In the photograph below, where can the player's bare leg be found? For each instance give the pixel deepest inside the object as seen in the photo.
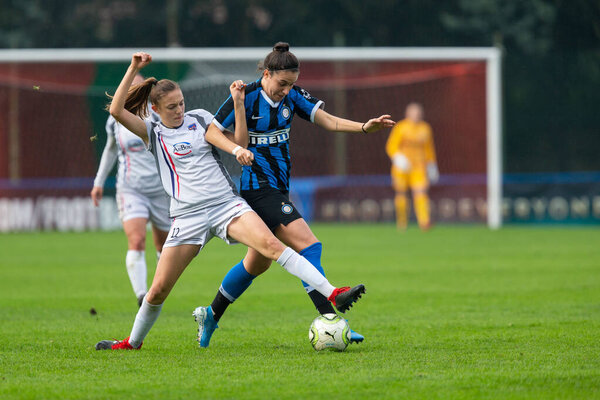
(171, 265)
(239, 278)
(159, 237)
(250, 230)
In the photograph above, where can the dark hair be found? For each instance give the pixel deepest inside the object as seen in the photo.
(137, 96)
(280, 59)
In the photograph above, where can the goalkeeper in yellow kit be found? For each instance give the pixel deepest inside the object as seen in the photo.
(410, 147)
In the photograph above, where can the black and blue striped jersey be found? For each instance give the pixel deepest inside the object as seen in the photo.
(269, 133)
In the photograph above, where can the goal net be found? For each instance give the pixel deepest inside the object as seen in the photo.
(52, 128)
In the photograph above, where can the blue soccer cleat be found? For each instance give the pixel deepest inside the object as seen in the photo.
(206, 324)
(356, 337)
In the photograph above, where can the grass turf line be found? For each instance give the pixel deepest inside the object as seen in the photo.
(458, 312)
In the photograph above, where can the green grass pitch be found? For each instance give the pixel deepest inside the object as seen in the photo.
(455, 313)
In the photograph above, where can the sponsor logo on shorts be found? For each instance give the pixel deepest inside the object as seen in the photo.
(285, 112)
(287, 209)
(182, 148)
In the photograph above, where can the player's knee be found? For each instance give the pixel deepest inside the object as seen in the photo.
(136, 242)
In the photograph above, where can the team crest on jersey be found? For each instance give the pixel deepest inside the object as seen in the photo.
(182, 148)
(287, 209)
(192, 127)
(285, 112)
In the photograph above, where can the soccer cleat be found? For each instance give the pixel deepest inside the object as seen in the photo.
(356, 337)
(206, 324)
(116, 345)
(342, 298)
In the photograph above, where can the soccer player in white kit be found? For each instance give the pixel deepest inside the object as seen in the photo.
(140, 197)
(204, 201)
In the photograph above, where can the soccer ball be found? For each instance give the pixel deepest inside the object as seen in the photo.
(329, 331)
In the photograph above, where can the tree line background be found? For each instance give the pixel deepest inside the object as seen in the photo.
(551, 48)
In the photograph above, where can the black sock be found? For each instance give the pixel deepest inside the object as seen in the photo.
(219, 305)
(321, 303)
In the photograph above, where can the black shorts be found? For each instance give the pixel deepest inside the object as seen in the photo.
(272, 205)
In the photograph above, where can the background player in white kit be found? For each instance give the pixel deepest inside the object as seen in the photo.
(204, 201)
(140, 196)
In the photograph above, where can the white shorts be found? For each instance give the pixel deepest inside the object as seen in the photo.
(200, 226)
(136, 205)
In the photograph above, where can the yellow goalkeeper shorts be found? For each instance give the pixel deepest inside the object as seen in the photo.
(416, 179)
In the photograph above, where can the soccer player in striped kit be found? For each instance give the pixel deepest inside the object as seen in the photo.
(270, 104)
(204, 201)
(140, 197)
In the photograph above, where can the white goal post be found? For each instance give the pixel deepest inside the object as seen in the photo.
(491, 57)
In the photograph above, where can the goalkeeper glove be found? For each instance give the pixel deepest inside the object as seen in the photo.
(432, 172)
(401, 162)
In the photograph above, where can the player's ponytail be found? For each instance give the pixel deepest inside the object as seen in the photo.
(138, 95)
(280, 59)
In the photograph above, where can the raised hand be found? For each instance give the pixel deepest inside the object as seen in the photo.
(376, 124)
(140, 59)
(237, 90)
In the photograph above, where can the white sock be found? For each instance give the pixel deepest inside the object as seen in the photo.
(145, 318)
(299, 266)
(136, 268)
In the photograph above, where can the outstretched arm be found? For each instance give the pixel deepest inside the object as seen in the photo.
(337, 124)
(117, 106)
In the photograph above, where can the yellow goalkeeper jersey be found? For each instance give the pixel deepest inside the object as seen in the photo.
(414, 140)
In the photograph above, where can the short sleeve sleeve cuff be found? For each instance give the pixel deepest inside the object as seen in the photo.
(218, 125)
(320, 104)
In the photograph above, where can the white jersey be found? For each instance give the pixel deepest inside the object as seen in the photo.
(137, 169)
(190, 168)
